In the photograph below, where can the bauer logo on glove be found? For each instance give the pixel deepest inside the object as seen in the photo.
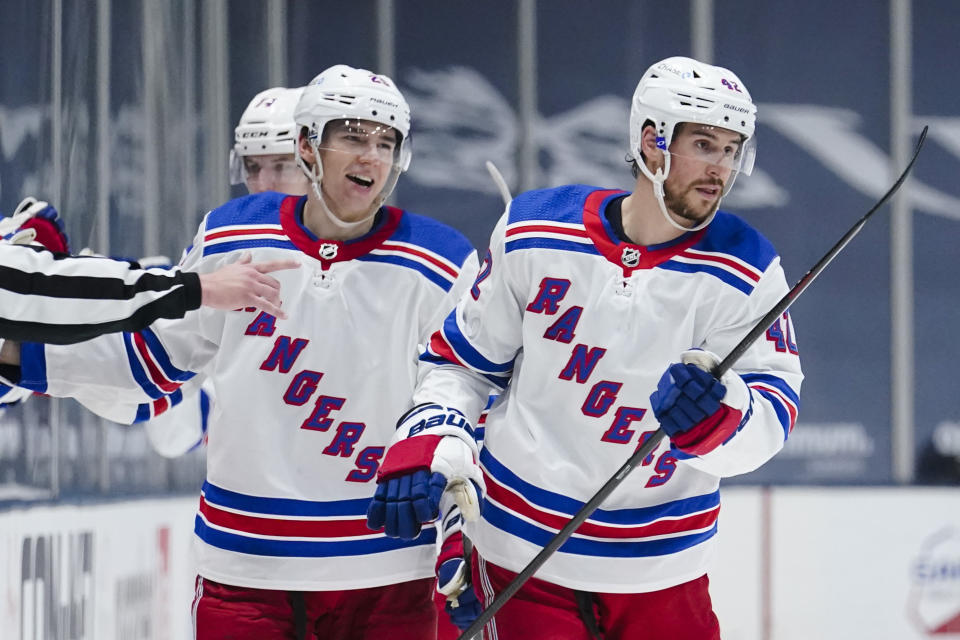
(432, 416)
(433, 452)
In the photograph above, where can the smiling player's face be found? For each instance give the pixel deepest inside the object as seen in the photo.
(357, 157)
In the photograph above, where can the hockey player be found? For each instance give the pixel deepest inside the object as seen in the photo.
(307, 405)
(597, 312)
(262, 157)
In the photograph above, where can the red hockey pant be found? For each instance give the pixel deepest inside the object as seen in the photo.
(404, 611)
(446, 630)
(546, 611)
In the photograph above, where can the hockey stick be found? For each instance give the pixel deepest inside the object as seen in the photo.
(500, 182)
(647, 447)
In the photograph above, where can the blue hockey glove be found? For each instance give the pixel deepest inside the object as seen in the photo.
(698, 412)
(433, 452)
(465, 608)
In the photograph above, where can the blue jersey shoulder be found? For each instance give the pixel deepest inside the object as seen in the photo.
(559, 204)
(257, 208)
(434, 236)
(732, 235)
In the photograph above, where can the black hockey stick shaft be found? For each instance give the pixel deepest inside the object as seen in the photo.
(654, 440)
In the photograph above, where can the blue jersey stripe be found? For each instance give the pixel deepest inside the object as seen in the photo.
(782, 414)
(498, 381)
(162, 359)
(253, 209)
(776, 382)
(463, 348)
(145, 410)
(137, 371)
(633, 549)
(431, 275)
(717, 272)
(550, 243)
(569, 506)
(283, 506)
(731, 235)
(305, 549)
(433, 236)
(559, 204)
(226, 247)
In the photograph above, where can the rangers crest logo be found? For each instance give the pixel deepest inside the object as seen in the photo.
(630, 257)
(328, 251)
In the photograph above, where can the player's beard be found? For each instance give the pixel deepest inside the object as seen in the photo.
(677, 204)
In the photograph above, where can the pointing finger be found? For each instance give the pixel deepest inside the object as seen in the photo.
(276, 265)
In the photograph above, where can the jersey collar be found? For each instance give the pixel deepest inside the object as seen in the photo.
(329, 251)
(626, 255)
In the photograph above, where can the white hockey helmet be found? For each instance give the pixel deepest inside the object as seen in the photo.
(681, 89)
(345, 93)
(265, 128)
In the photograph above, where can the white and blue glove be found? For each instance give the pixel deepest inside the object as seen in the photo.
(433, 452)
(698, 412)
(453, 568)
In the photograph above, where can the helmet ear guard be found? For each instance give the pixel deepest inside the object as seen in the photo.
(681, 89)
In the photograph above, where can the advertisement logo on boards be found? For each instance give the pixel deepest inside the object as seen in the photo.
(934, 600)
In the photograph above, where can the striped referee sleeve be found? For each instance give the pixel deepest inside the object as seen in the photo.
(60, 299)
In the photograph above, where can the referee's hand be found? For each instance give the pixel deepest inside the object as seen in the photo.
(245, 284)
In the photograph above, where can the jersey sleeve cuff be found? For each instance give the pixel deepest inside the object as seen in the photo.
(194, 293)
(33, 367)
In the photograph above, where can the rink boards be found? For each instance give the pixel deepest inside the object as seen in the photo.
(793, 564)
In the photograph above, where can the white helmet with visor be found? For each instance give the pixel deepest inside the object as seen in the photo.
(266, 128)
(343, 94)
(677, 90)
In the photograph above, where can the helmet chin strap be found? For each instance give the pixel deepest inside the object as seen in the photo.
(658, 181)
(318, 189)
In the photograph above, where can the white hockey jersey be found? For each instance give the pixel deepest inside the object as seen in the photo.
(577, 327)
(305, 406)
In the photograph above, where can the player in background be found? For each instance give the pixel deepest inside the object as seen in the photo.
(305, 405)
(263, 155)
(597, 312)
(262, 158)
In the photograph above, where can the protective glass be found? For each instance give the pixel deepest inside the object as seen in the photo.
(365, 139)
(272, 173)
(715, 146)
(367, 153)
